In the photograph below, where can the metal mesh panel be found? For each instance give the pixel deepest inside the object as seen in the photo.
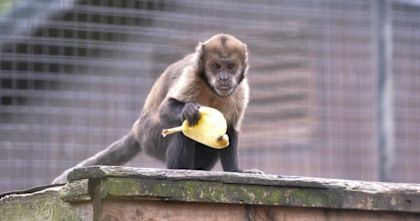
(406, 70)
(74, 76)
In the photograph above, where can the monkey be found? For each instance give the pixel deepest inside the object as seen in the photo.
(215, 75)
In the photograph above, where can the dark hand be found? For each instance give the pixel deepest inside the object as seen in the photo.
(190, 113)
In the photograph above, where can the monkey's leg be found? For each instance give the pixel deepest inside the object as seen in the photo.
(205, 157)
(118, 153)
(180, 152)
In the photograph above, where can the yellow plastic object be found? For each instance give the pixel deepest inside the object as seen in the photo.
(210, 129)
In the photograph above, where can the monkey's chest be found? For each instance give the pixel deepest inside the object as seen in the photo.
(228, 107)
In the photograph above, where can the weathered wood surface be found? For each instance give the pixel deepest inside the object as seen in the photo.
(243, 188)
(123, 193)
(157, 210)
(42, 205)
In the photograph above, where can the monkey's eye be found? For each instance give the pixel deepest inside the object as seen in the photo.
(231, 66)
(216, 66)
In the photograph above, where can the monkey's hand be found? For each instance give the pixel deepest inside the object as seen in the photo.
(190, 113)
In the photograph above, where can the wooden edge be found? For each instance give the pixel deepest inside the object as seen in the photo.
(31, 190)
(42, 204)
(214, 176)
(253, 189)
(76, 191)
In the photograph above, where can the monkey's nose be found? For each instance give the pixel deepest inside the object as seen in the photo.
(223, 77)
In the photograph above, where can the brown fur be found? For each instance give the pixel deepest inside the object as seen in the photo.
(181, 81)
(185, 85)
(187, 80)
(226, 46)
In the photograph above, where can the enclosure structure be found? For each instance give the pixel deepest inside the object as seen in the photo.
(74, 75)
(123, 193)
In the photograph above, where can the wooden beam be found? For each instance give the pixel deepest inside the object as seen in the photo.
(124, 193)
(385, 110)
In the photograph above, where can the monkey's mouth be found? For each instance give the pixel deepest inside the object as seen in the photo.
(224, 87)
(224, 90)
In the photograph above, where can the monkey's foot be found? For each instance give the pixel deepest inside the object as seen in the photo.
(254, 171)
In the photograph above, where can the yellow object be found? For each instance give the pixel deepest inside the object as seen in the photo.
(210, 129)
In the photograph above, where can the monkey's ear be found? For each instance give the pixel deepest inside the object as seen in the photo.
(246, 65)
(198, 55)
(199, 50)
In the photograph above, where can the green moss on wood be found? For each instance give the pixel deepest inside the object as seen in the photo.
(43, 205)
(82, 197)
(219, 187)
(200, 191)
(76, 191)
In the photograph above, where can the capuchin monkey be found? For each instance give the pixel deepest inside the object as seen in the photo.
(215, 75)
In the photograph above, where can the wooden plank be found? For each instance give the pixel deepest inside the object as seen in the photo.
(256, 189)
(385, 104)
(155, 210)
(76, 191)
(43, 205)
(217, 192)
(123, 193)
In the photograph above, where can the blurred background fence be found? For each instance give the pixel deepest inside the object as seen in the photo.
(74, 76)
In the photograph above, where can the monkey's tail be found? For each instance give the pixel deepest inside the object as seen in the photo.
(118, 153)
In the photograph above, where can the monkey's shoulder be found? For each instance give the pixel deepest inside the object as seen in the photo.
(174, 70)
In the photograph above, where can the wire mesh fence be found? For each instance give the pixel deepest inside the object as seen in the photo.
(74, 76)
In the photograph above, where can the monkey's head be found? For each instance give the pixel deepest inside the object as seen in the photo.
(223, 61)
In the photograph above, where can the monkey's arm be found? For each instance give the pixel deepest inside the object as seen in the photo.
(181, 150)
(229, 155)
(118, 153)
(173, 112)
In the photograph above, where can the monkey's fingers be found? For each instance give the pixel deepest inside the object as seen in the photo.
(191, 113)
(253, 171)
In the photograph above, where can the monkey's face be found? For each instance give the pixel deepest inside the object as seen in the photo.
(223, 75)
(224, 60)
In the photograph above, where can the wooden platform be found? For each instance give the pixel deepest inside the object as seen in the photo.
(123, 193)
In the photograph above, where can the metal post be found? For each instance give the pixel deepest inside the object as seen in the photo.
(385, 115)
